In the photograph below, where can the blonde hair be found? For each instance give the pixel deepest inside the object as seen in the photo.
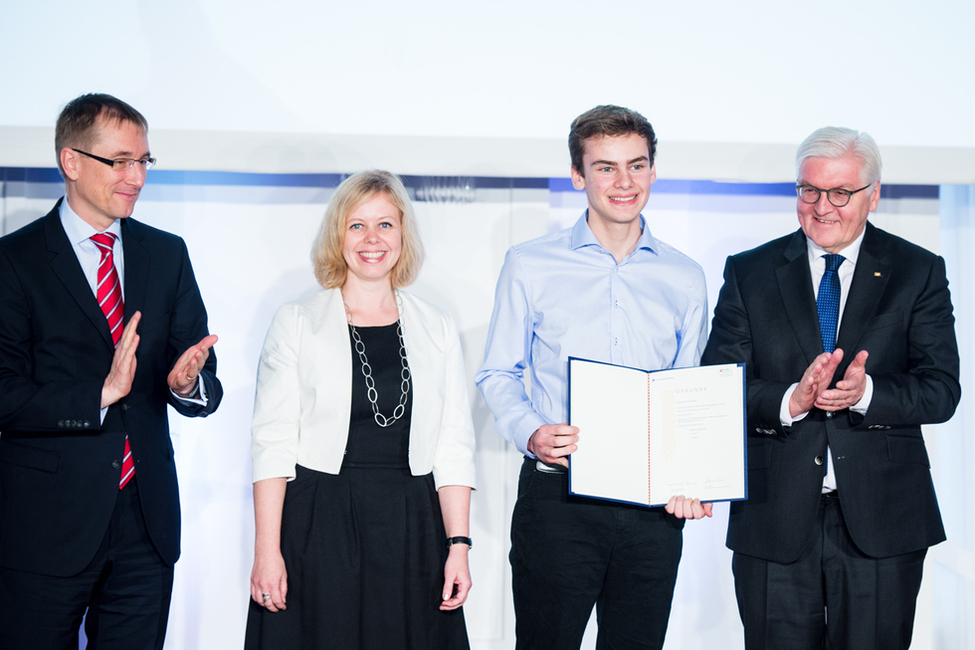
(326, 251)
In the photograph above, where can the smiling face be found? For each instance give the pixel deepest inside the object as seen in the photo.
(829, 227)
(96, 192)
(616, 176)
(373, 240)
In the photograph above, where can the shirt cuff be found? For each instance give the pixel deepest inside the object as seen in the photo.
(785, 416)
(197, 397)
(864, 403)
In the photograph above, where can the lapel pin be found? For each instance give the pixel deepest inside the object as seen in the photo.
(876, 274)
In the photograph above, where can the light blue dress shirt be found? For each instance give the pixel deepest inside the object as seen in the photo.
(565, 295)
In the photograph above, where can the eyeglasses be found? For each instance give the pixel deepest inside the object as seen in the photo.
(120, 164)
(837, 196)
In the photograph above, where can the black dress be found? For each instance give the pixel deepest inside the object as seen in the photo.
(364, 550)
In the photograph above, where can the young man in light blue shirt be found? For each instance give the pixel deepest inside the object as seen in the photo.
(606, 290)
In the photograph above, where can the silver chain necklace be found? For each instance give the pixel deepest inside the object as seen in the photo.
(371, 393)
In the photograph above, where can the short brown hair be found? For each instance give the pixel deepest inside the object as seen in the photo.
(76, 123)
(326, 251)
(607, 120)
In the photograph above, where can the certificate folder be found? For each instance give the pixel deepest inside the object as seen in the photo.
(645, 436)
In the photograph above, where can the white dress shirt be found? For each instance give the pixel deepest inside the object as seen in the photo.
(817, 267)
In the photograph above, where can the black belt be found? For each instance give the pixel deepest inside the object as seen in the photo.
(550, 469)
(835, 494)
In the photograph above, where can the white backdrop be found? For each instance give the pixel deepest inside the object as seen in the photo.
(244, 225)
(474, 89)
(755, 71)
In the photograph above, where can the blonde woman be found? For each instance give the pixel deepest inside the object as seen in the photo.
(363, 447)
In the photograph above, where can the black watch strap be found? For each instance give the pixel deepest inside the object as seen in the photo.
(459, 540)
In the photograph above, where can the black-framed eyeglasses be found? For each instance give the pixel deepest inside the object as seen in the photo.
(120, 164)
(837, 195)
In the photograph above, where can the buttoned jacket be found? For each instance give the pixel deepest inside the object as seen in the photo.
(899, 310)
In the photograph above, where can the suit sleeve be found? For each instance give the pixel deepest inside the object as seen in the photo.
(26, 404)
(927, 389)
(732, 341)
(187, 328)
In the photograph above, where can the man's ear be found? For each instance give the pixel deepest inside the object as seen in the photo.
(578, 181)
(875, 197)
(69, 163)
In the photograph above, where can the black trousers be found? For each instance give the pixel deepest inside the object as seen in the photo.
(570, 553)
(123, 594)
(833, 597)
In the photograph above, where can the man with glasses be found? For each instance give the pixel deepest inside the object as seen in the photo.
(848, 336)
(101, 326)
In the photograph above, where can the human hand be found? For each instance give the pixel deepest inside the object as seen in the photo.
(815, 379)
(183, 377)
(849, 390)
(119, 381)
(552, 443)
(686, 508)
(457, 578)
(269, 577)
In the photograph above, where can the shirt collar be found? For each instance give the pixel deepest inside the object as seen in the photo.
(850, 253)
(78, 230)
(583, 236)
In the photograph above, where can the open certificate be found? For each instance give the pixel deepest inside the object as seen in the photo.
(647, 436)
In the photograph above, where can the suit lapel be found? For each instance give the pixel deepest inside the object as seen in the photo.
(64, 263)
(869, 282)
(136, 268)
(795, 287)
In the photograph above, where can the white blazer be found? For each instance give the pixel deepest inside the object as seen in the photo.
(304, 395)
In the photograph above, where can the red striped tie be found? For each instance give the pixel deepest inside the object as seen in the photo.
(109, 294)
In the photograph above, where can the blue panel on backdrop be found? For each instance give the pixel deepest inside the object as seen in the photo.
(239, 179)
(30, 174)
(481, 182)
(174, 177)
(671, 186)
(909, 191)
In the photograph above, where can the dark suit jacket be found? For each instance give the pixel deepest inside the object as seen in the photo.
(59, 466)
(899, 310)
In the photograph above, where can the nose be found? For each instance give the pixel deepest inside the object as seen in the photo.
(823, 205)
(623, 179)
(136, 175)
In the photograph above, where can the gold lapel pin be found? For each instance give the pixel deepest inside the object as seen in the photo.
(876, 274)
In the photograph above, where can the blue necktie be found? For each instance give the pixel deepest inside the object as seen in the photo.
(828, 306)
(828, 301)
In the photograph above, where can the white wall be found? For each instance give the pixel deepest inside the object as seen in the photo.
(449, 88)
(760, 71)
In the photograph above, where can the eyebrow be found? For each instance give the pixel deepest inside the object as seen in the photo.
(610, 163)
(129, 155)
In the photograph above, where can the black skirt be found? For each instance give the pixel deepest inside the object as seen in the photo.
(364, 552)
